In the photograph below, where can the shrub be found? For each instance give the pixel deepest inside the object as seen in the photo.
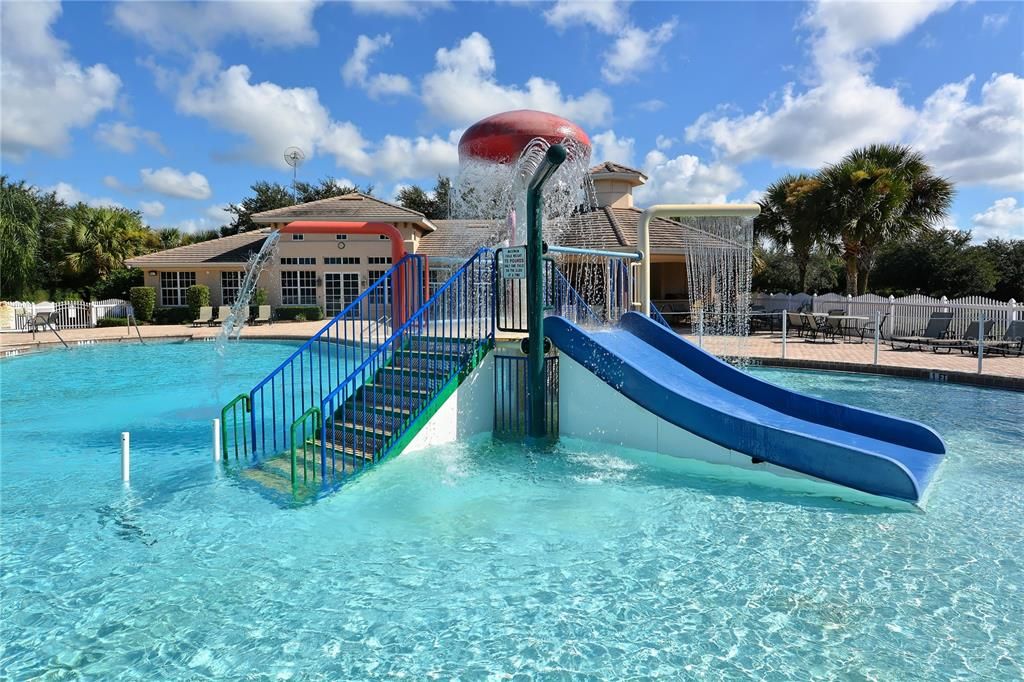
(259, 297)
(197, 296)
(293, 312)
(172, 315)
(143, 300)
(112, 322)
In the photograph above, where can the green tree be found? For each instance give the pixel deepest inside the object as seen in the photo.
(19, 238)
(95, 242)
(1007, 255)
(937, 263)
(433, 205)
(789, 219)
(267, 196)
(878, 194)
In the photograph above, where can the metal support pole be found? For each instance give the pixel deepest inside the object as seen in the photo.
(878, 332)
(216, 440)
(785, 329)
(535, 376)
(125, 456)
(981, 341)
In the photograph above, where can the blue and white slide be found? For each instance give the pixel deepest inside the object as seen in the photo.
(686, 402)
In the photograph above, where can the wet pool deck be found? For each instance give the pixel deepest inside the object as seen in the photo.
(1003, 372)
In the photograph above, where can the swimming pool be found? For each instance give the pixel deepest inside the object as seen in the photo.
(480, 559)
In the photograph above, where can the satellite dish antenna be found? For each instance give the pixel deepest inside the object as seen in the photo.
(294, 157)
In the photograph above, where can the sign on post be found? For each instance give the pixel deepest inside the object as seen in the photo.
(513, 263)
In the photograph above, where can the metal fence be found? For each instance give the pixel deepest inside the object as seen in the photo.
(17, 315)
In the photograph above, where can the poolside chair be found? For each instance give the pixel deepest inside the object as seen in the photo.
(826, 327)
(262, 315)
(938, 327)
(222, 315)
(968, 341)
(204, 317)
(795, 322)
(869, 328)
(1012, 343)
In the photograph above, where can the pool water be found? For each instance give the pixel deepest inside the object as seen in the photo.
(480, 560)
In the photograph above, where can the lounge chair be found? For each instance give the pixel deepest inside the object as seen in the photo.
(938, 327)
(262, 315)
(827, 327)
(1012, 343)
(204, 317)
(869, 328)
(968, 341)
(222, 315)
(795, 322)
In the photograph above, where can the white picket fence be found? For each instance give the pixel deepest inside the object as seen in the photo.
(902, 315)
(16, 315)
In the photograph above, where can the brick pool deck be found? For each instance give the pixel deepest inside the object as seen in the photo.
(998, 372)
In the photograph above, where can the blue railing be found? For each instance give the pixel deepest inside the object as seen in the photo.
(373, 409)
(567, 302)
(658, 317)
(326, 359)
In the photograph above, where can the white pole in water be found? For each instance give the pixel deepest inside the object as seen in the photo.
(125, 456)
(785, 330)
(981, 340)
(700, 327)
(216, 440)
(878, 323)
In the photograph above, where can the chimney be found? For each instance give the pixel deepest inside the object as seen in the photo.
(614, 183)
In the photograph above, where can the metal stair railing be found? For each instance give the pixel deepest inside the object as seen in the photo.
(375, 408)
(322, 362)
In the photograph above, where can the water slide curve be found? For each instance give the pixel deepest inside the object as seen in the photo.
(690, 388)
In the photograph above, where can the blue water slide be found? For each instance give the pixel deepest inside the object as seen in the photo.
(692, 389)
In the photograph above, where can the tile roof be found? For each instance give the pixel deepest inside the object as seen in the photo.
(458, 237)
(615, 228)
(233, 249)
(352, 206)
(612, 167)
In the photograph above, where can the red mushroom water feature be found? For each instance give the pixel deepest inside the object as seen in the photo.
(501, 138)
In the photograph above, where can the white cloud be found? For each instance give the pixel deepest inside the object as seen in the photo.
(356, 70)
(635, 50)
(995, 22)
(152, 210)
(845, 108)
(72, 195)
(401, 157)
(610, 147)
(172, 182)
(124, 137)
(685, 179)
(607, 17)
(462, 89)
(650, 105)
(269, 116)
(1004, 219)
(664, 143)
(45, 92)
(115, 183)
(186, 25)
(979, 143)
(415, 9)
(213, 217)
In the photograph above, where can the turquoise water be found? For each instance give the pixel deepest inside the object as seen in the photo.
(484, 561)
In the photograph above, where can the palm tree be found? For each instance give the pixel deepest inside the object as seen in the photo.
(96, 241)
(789, 217)
(19, 238)
(877, 194)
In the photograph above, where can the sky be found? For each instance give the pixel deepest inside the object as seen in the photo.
(175, 108)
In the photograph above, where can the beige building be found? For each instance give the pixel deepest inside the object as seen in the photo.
(331, 270)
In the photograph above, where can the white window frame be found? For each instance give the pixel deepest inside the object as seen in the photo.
(233, 288)
(304, 286)
(182, 281)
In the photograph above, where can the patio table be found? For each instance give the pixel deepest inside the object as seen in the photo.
(846, 322)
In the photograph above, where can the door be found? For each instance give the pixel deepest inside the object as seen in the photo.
(340, 289)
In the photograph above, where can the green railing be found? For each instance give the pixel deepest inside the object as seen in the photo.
(309, 451)
(233, 407)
